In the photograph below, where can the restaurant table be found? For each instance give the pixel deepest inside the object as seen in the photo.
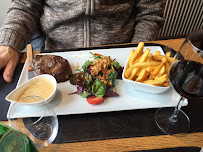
(192, 141)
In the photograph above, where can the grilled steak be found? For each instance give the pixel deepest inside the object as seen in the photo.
(53, 65)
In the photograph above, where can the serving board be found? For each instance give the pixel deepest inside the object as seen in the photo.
(129, 98)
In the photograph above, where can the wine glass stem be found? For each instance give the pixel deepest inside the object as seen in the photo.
(174, 117)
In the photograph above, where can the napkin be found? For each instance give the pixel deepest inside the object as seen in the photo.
(5, 89)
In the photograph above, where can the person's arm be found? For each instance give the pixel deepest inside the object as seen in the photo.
(149, 20)
(22, 19)
(17, 30)
(8, 59)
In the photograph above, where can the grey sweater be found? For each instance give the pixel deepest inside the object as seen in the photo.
(82, 23)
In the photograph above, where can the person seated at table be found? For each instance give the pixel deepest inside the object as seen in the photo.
(72, 24)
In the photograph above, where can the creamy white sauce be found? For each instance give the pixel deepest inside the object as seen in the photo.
(41, 87)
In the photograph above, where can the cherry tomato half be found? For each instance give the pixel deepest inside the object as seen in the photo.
(94, 100)
(97, 54)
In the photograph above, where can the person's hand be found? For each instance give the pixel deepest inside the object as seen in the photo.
(8, 59)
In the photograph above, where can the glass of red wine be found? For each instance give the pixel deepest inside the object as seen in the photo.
(186, 77)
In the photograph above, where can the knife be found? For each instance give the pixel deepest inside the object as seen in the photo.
(30, 57)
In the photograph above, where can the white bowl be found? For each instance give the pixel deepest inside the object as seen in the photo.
(142, 86)
(13, 96)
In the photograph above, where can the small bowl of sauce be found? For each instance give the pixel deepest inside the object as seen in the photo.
(43, 86)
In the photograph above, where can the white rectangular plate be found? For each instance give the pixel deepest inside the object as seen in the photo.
(129, 99)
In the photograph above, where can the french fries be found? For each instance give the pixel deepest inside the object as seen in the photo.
(148, 68)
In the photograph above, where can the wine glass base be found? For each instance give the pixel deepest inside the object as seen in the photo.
(182, 125)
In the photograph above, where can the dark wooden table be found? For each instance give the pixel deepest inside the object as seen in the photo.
(134, 143)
